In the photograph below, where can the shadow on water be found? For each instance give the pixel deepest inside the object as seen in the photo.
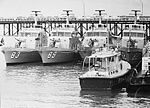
(114, 99)
(139, 94)
(97, 94)
(99, 98)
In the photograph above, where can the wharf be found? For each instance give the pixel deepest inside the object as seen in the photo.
(11, 26)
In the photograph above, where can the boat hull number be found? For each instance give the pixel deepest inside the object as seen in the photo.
(51, 55)
(15, 55)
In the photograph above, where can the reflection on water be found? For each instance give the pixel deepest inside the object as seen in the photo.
(107, 99)
(55, 86)
(98, 99)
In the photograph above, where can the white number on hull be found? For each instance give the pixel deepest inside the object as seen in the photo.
(15, 55)
(51, 55)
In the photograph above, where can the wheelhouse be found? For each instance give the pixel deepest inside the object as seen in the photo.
(136, 32)
(101, 30)
(31, 32)
(96, 35)
(104, 63)
(65, 31)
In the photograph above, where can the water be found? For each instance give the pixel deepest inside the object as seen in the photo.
(57, 86)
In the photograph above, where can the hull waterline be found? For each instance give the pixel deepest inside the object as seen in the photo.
(57, 56)
(101, 83)
(21, 56)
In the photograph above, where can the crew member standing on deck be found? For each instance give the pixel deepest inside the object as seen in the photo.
(75, 42)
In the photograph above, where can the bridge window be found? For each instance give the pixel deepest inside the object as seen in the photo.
(27, 34)
(34, 34)
(140, 35)
(103, 33)
(22, 34)
(133, 34)
(126, 34)
(96, 33)
(90, 34)
(54, 33)
(67, 34)
(60, 33)
(137, 27)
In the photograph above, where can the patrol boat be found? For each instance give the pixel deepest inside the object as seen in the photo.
(62, 44)
(26, 45)
(106, 71)
(132, 54)
(136, 31)
(26, 49)
(133, 41)
(94, 38)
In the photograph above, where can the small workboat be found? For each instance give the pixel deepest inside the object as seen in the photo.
(106, 71)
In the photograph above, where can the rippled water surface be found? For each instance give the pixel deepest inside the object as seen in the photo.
(57, 86)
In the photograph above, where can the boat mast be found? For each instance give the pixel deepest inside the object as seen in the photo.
(100, 23)
(100, 16)
(35, 24)
(67, 19)
(35, 18)
(135, 15)
(135, 21)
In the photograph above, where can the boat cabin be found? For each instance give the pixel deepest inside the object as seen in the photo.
(65, 30)
(134, 27)
(136, 32)
(30, 32)
(96, 32)
(31, 38)
(104, 63)
(97, 35)
(61, 37)
(101, 30)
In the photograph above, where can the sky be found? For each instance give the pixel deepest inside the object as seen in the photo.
(16, 8)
